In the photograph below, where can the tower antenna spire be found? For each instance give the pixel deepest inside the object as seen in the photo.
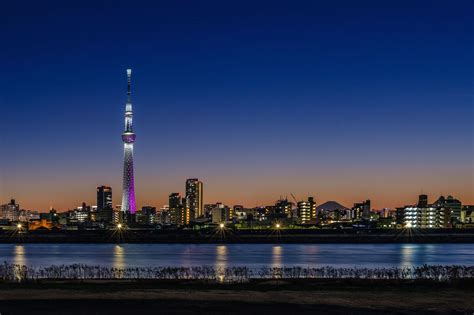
(129, 84)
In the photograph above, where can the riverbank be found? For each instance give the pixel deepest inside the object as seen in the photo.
(302, 296)
(303, 236)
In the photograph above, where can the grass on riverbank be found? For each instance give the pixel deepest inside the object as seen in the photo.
(22, 273)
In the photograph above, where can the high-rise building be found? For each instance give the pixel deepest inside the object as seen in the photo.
(176, 209)
(104, 198)
(307, 211)
(194, 203)
(128, 138)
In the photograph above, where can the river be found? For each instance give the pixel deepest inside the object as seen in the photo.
(250, 255)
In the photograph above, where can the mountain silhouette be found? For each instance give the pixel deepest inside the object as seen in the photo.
(331, 206)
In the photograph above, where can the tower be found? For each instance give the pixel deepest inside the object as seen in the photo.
(128, 138)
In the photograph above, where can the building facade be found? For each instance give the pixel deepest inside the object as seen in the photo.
(307, 212)
(424, 215)
(220, 213)
(451, 205)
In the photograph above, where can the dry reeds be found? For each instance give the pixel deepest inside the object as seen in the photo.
(22, 273)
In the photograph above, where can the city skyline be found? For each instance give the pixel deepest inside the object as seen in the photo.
(259, 109)
(104, 194)
(293, 156)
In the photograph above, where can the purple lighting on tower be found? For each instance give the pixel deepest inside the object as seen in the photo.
(128, 138)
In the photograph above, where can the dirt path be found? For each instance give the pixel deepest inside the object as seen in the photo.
(122, 300)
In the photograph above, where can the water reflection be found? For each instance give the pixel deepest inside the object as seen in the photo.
(221, 261)
(277, 256)
(407, 255)
(187, 256)
(221, 256)
(311, 253)
(119, 257)
(19, 255)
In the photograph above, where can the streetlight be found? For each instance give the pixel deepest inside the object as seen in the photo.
(277, 225)
(221, 225)
(18, 226)
(408, 225)
(119, 226)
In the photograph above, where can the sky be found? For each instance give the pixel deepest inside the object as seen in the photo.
(340, 100)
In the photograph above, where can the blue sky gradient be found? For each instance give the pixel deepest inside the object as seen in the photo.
(343, 100)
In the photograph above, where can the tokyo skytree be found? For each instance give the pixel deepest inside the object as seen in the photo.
(128, 138)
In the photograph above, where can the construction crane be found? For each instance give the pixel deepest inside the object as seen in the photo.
(294, 198)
